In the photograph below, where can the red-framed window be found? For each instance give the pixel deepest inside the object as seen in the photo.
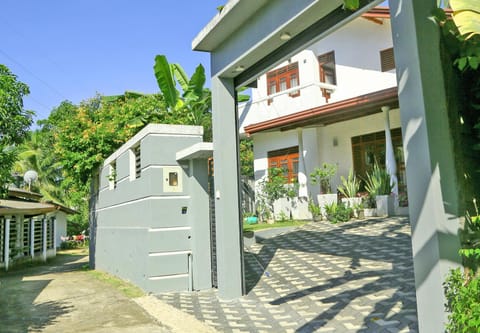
(286, 159)
(282, 79)
(326, 64)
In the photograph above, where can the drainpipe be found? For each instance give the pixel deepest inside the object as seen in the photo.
(390, 163)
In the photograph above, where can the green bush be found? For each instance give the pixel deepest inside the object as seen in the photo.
(463, 302)
(338, 212)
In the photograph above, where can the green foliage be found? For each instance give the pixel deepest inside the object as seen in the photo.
(466, 15)
(314, 209)
(350, 186)
(246, 157)
(36, 153)
(463, 302)
(75, 139)
(378, 181)
(272, 188)
(338, 212)
(14, 123)
(351, 4)
(193, 105)
(323, 176)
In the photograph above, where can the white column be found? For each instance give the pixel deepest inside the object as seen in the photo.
(6, 249)
(32, 238)
(54, 233)
(390, 163)
(44, 239)
(302, 177)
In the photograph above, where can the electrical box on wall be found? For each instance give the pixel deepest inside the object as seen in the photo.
(172, 179)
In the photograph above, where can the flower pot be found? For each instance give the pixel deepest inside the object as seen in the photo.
(369, 212)
(251, 220)
(325, 199)
(385, 205)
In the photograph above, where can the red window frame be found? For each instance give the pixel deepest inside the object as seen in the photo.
(287, 75)
(326, 65)
(286, 159)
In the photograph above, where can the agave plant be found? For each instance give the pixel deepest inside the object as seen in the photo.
(378, 181)
(350, 186)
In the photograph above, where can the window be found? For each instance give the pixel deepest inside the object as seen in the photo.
(370, 147)
(287, 159)
(282, 79)
(112, 176)
(326, 63)
(138, 161)
(387, 60)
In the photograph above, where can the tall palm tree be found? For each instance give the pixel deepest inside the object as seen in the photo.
(34, 154)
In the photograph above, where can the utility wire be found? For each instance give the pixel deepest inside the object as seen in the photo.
(33, 75)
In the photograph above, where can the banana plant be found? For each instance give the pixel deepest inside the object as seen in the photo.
(466, 15)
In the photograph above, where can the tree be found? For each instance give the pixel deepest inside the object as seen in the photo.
(193, 105)
(36, 153)
(14, 122)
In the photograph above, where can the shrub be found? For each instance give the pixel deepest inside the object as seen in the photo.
(463, 302)
(338, 212)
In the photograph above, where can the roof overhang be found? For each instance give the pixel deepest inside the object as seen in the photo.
(245, 42)
(327, 114)
(13, 207)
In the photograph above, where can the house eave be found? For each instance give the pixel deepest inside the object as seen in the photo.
(233, 15)
(328, 114)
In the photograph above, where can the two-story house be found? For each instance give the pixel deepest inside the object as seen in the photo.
(331, 103)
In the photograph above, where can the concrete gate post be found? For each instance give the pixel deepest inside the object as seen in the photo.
(227, 180)
(431, 176)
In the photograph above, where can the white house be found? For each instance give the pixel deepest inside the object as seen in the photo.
(324, 104)
(30, 229)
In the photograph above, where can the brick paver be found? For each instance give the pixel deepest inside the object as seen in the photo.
(351, 277)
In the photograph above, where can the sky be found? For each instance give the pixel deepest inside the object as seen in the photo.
(71, 50)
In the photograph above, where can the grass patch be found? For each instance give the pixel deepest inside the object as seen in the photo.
(125, 287)
(277, 224)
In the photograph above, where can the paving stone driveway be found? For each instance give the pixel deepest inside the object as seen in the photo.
(351, 277)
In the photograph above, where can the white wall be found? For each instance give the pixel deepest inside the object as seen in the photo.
(358, 69)
(319, 144)
(61, 227)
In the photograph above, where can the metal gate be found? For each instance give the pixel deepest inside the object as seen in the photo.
(213, 238)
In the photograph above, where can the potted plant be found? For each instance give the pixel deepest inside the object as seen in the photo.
(369, 206)
(379, 187)
(349, 189)
(315, 210)
(275, 194)
(323, 176)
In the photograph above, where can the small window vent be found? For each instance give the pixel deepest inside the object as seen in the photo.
(387, 60)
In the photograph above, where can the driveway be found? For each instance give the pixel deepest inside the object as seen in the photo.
(350, 277)
(62, 297)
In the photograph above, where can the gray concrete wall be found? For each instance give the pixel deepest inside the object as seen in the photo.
(149, 232)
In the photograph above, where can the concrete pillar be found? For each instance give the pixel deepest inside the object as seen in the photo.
(429, 155)
(227, 190)
(44, 238)
(302, 173)
(6, 249)
(32, 238)
(390, 163)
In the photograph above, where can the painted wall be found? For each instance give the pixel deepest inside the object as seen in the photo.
(150, 231)
(358, 71)
(318, 144)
